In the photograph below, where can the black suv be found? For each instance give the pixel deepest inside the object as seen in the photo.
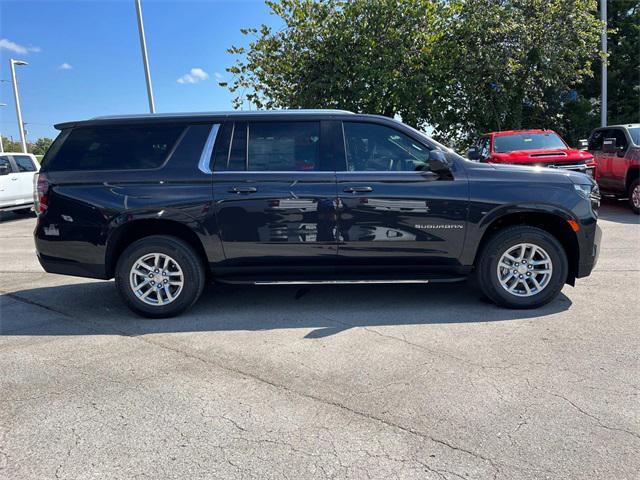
(164, 203)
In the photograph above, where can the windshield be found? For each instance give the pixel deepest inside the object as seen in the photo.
(527, 141)
(635, 135)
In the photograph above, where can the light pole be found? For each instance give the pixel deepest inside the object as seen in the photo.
(145, 58)
(16, 96)
(2, 146)
(605, 60)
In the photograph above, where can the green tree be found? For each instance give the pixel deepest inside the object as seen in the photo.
(461, 66)
(39, 147)
(364, 55)
(624, 61)
(512, 64)
(10, 146)
(583, 114)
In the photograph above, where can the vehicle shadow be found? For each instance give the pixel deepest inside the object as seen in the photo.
(12, 216)
(96, 309)
(614, 210)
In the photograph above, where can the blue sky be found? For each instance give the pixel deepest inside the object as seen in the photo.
(84, 57)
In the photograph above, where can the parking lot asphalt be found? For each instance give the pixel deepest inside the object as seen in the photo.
(381, 381)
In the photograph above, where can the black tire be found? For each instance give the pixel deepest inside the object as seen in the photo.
(501, 242)
(184, 256)
(634, 204)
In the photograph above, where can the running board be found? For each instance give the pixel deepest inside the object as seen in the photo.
(336, 282)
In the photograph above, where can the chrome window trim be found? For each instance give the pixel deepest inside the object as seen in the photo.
(311, 172)
(344, 144)
(204, 165)
(385, 172)
(271, 172)
(246, 153)
(233, 133)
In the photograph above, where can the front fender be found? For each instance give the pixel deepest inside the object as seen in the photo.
(481, 219)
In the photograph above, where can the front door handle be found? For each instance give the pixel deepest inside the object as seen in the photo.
(358, 189)
(243, 190)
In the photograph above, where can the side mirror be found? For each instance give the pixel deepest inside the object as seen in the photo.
(473, 153)
(583, 144)
(438, 163)
(4, 169)
(609, 145)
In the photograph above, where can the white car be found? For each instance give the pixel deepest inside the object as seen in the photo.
(16, 181)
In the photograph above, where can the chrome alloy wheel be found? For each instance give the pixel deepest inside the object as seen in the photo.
(525, 270)
(635, 196)
(156, 279)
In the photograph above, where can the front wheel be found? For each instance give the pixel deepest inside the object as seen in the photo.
(522, 267)
(634, 196)
(159, 276)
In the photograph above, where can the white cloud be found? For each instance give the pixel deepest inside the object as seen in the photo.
(65, 66)
(218, 76)
(16, 48)
(195, 75)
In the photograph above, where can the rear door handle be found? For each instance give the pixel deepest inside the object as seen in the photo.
(358, 189)
(243, 190)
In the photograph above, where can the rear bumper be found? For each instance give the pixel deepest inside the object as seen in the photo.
(68, 250)
(589, 251)
(68, 267)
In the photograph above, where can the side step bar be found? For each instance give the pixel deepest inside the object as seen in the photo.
(335, 282)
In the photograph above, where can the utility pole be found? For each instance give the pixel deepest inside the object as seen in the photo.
(145, 58)
(605, 60)
(2, 146)
(16, 96)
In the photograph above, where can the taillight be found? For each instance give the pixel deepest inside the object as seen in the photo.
(40, 192)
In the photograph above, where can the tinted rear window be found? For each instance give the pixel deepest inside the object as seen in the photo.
(284, 146)
(272, 147)
(24, 163)
(116, 147)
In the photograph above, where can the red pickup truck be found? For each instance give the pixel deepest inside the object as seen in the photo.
(543, 148)
(617, 153)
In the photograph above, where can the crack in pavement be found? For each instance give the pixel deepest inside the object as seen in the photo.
(584, 412)
(494, 464)
(286, 388)
(598, 421)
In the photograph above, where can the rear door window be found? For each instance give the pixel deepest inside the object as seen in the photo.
(268, 147)
(116, 147)
(283, 146)
(24, 163)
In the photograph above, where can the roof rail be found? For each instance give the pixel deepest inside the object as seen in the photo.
(226, 113)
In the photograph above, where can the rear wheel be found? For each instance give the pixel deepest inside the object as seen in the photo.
(159, 276)
(634, 196)
(522, 267)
